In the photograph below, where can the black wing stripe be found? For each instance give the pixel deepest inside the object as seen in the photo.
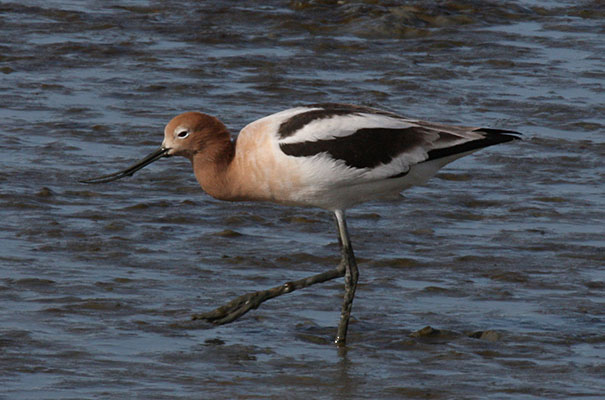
(321, 111)
(366, 148)
(354, 109)
(297, 122)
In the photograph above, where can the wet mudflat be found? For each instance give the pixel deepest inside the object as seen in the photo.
(502, 255)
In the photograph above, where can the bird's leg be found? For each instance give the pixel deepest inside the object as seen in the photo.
(242, 304)
(348, 266)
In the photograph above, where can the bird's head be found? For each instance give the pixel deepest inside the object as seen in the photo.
(192, 132)
(185, 135)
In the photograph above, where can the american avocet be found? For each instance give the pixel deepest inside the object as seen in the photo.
(331, 156)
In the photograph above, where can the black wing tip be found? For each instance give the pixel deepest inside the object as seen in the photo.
(505, 134)
(491, 137)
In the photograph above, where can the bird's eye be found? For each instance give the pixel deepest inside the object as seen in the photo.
(182, 134)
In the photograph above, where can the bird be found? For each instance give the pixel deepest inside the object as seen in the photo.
(327, 155)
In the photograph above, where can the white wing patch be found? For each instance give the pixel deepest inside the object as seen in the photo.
(343, 125)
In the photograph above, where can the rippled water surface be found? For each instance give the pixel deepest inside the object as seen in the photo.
(502, 254)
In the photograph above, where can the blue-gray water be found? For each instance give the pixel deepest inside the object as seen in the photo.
(97, 283)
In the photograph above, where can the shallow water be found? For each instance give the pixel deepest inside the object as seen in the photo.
(502, 254)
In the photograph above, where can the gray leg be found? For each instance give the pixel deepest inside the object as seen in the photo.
(351, 273)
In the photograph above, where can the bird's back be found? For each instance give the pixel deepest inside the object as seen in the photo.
(334, 156)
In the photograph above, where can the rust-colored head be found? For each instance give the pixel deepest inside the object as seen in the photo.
(192, 132)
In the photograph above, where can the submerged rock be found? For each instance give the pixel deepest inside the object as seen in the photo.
(427, 331)
(489, 335)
